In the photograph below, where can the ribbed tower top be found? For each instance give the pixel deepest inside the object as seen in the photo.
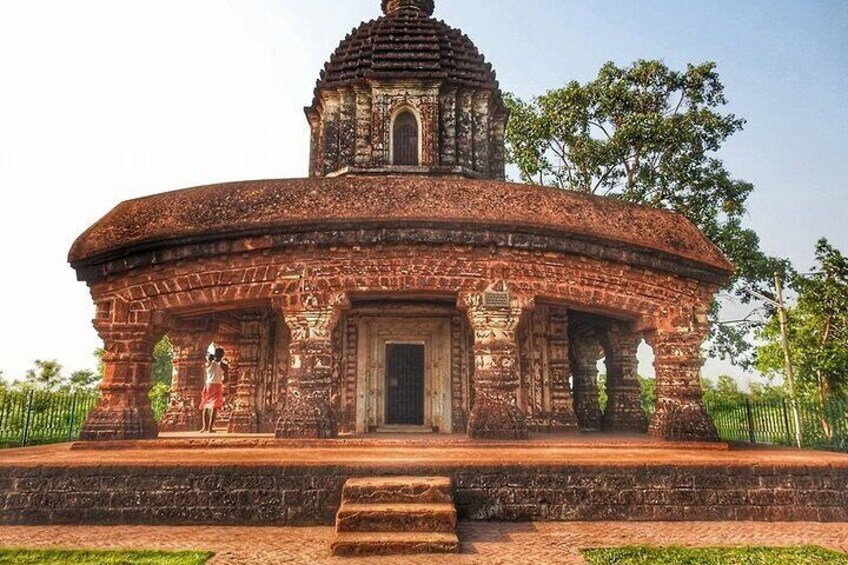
(392, 6)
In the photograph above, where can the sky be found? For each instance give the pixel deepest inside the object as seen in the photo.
(106, 100)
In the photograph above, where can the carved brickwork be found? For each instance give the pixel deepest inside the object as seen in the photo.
(495, 412)
(680, 413)
(308, 411)
(244, 417)
(407, 60)
(545, 370)
(123, 411)
(276, 263)
(624, 406)
(585, 350)
(190, 350)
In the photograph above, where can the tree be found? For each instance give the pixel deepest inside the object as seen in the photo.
(724, 390)
(647, 393)
(83, 380)
(767, 392)
(649, 135)
(818, 329)
(46, 375)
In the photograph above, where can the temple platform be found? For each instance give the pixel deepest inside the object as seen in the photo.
(187, 479)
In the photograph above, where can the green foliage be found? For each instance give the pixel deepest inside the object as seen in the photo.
(85, 379)
(714, 556)
(724, 389)
(767, 392)
(49, 376)
(57, 557)
(649, 135)
(647, 393)
(46, 375)
(602, 391)
(818, 329)
(163, 362)
(159, 395)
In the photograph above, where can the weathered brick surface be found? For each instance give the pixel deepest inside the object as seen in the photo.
(392, 212)
(311, 495)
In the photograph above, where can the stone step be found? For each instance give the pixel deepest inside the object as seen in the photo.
(393, 543)
(430, 517)
(398, 490)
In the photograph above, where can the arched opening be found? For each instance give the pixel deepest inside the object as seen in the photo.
(405, 139)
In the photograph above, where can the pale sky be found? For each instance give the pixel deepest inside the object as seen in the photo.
(105, 100)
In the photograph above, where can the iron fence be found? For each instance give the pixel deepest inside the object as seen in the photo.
(823, 425)
(40, 417)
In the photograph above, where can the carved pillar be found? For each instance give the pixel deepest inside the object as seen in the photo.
(364, 116)
(465, 129)
(624, 401)
(584, 353)
(559, 365)
(481, 131)
(123, 411)
(315, 143)
(497, 145)
(243, 419)
(308, 411)
(190, 350)
(330, 124)
(447, 126)
(680, 413)
(347, 127)
(494, 319)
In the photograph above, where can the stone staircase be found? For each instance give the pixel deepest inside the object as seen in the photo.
(396, 515)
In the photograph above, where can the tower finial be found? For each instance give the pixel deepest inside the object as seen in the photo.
(392, 6)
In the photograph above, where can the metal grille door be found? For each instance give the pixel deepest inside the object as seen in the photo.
(406, 140)
(405, 384)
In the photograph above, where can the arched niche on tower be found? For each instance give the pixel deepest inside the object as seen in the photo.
(405, 145)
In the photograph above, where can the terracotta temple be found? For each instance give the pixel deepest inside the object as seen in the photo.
(403, 286)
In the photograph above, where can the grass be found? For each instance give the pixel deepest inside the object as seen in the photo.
(714, 556)
(57, 557)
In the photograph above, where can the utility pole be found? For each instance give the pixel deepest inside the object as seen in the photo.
(787, 355)
(787, 352)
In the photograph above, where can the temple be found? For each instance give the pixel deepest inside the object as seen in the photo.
(404, 285)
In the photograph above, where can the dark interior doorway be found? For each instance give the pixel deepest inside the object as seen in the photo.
(405, 384)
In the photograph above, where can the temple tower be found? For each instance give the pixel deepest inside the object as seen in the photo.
(407, 94)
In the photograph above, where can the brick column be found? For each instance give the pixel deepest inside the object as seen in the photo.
(624, 402)
(680, 413)
(585, 352)
(183, 413)
(243, 419)
(494, 320)
(123, 411)
(308, 411)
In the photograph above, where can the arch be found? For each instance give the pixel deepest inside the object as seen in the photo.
(406, 138)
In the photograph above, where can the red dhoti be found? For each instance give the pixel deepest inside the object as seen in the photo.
(212, 397)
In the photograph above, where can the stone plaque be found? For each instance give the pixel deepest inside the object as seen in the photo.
(496, 299)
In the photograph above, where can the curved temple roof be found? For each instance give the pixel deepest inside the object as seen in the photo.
(407, 43)
(226, 211)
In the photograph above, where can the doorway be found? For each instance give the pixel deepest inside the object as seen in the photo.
(404, 384)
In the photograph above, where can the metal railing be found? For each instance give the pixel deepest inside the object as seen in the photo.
(40, 417)
(823, 426)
